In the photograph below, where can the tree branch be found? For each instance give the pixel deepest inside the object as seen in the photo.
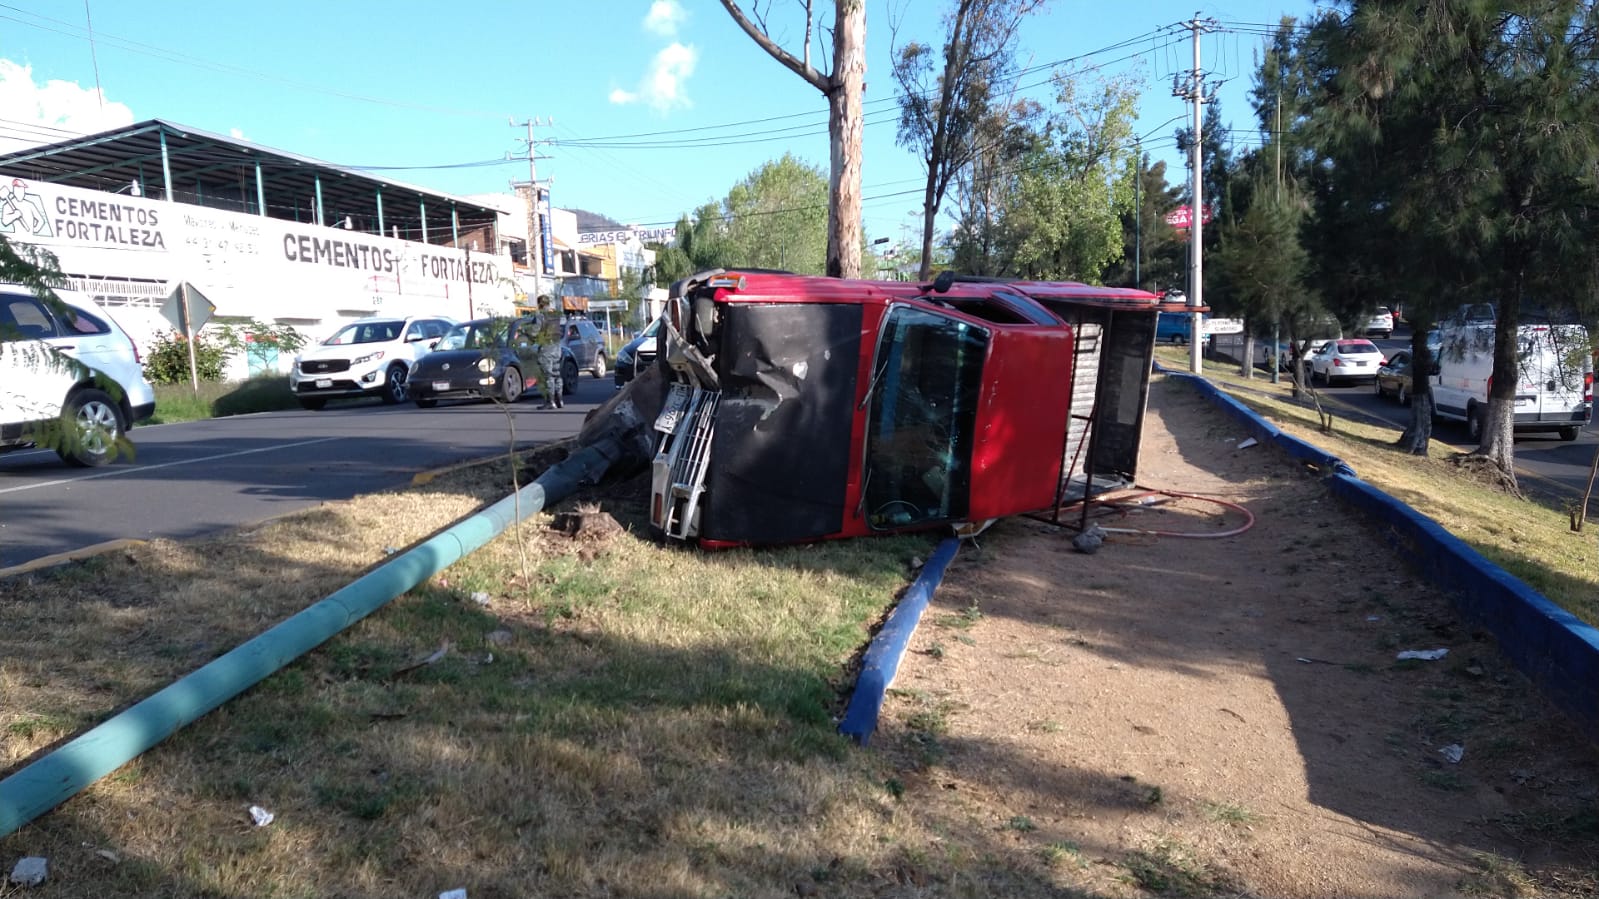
(799, 67)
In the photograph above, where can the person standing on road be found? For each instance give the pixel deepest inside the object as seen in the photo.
(549, 352)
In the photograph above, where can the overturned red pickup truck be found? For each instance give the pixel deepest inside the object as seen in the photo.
(805, 408)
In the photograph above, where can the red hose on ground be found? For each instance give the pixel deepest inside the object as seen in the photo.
(1249, 517)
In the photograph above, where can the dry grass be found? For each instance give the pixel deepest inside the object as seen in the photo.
(1531, 540)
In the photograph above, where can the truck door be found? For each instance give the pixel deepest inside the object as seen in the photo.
(927, 380)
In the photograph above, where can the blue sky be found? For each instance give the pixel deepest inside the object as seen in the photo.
(430, 91)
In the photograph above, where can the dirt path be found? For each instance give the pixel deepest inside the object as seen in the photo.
(1219, 717)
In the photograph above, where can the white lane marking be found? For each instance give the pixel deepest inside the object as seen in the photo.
(141, 468)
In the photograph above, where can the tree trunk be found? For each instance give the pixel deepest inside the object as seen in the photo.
(845, 121)
(929, 213)
(1246, 367)
(1418, 434)
(1497, 440)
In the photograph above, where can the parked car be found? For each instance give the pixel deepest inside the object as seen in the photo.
(587, 345)
(637, 354)
(367, 357)
(1381, 324)
(1345, 360)
(1394, 377)
(486, 358)
(80, 369)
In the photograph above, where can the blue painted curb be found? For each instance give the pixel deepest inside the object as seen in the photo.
(1557, 651)
(881, 661)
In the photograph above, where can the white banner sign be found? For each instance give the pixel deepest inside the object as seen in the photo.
(249, 265)
(628, 235)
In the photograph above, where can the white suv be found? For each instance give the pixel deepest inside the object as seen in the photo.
(78, 369)
(367, 357)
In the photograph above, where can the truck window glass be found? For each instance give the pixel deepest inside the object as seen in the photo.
(922, 419)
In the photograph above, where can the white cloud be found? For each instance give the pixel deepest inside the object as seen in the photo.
(664, 18)
(237, 134)
(39, 114)
(663, 87)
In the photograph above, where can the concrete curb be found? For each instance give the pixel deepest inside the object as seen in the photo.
(1556, 650)
(882, 658)
(76, 555)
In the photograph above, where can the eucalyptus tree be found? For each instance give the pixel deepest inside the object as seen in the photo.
(1055, 212)
(842, 85)
(945, 94)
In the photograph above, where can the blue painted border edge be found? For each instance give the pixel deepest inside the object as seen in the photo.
(882, 658)
(1555, 649)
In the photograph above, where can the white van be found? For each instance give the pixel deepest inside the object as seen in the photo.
(1554, 389)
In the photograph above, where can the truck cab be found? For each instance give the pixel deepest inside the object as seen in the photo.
(812, 408)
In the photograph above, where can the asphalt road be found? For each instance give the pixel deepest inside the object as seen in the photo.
(196, 478)
(1546, 466)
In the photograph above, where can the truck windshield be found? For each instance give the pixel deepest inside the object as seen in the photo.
(922, 418)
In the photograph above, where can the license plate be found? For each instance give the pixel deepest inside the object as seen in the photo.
(672, 410)
(441, 386)
(324, 383)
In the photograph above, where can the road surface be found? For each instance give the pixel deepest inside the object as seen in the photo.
(199, 477)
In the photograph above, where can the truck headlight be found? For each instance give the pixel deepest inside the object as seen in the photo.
(369, 357)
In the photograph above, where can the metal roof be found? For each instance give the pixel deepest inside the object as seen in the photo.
(220, 172)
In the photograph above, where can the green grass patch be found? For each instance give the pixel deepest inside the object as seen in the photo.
(218, 399)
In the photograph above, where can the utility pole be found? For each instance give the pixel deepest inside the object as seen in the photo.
(1194, 91)
(538, 243)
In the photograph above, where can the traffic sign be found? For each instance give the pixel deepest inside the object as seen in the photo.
(187, 309)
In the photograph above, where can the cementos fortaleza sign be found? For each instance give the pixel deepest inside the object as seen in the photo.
(249, 265)
(628, 235)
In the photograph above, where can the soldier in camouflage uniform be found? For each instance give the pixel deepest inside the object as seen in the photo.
(549, 351)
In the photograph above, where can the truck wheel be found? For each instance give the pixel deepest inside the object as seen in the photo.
(1568, 434)
(91, 426)
(599, 365)
(568, 376)
(394, 389)
(1474, 423)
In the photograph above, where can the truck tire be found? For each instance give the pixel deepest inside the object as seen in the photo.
(599, 364)
(1474, 423)
(1568, 434)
